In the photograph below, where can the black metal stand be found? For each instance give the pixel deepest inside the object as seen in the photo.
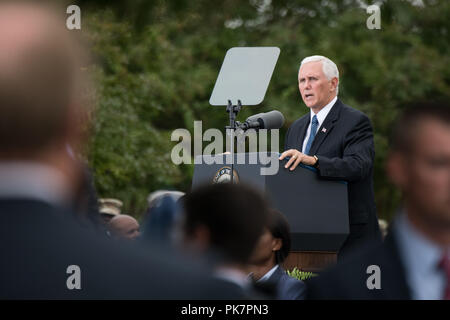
(232, 110)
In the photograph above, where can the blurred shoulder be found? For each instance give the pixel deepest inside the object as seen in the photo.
(348, 279)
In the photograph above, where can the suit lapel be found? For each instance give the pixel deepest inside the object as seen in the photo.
(276, 275)
(302, 131)
(326, 127)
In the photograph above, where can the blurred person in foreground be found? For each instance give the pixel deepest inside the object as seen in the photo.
(270, 252)
(414, 261)
(123, 227)
(42, 245)
(222, 224)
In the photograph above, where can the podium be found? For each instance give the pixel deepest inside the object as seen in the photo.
(316, 209)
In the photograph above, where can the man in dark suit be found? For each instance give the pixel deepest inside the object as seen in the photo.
(338, 141)
(45, 253)
(414, 260)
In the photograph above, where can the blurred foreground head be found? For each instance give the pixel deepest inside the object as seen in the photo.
(225, 219)
(40, 82)
(419, 164)
(41, 86)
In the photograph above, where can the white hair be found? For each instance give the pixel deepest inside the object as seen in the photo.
(154, 197)
(329, 67)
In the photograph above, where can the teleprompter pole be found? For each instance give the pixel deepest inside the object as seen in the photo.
(232, 110)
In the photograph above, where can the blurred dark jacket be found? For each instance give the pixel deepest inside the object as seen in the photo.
(86, 202)
(288, 288)
(348, 280)
(39, 241)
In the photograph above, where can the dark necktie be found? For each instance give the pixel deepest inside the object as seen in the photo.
(312, 135)
(445, 266)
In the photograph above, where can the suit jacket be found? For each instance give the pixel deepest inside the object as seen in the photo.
(349, 279)
(288, 288)
(38, 242)
(252, 291)
(345, 149)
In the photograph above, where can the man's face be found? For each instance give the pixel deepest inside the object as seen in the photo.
(316, 90)
(130, 230)
(424, 175)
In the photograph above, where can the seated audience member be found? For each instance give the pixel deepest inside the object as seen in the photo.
(158, 223)
(414, 260)
(154, 198)
(124, 227)
(222, 224)
(46, 253)
(384, 227)
(271, 250)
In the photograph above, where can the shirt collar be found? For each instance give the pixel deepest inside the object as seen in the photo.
(322, 114)
(268, 274)
(35, 181)
(417, 250)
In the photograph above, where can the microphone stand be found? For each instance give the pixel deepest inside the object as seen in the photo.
(232, 111)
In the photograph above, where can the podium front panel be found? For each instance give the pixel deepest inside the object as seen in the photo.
(316, 209)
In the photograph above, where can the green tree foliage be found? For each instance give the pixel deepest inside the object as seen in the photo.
(157, 62)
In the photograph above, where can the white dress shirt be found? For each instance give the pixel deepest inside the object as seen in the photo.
(420, 258)
(321, 116)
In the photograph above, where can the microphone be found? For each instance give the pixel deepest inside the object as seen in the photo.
(268, 120)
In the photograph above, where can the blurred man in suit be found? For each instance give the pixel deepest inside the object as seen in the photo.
(270, 252)
(414, 260)
(338, 141)
(45, 253)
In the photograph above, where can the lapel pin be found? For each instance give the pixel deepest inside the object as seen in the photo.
(324, 130)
